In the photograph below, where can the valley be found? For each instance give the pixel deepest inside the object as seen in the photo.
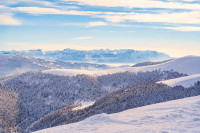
(47, 97)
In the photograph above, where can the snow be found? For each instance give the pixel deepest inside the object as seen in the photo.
(68, 72)
(189, 65)
(186, 81)
(181, 115)
(84, 105)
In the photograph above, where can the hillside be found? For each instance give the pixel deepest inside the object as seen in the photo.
(189, 65)
(174, 116)
(9, 110)
(150, 63)
(64, 96)
(123, 99)
(11, 64)
(97, 56)
(186, 81)
(46, 93)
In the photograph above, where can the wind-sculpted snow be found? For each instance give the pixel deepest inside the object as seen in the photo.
(41, 93)
(173, 116)
(98, 56)
(18, 64)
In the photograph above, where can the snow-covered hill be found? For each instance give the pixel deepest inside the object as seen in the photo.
(189, 65)
(186, 81)
(11, 64)
(98, 56)
(41, 94)
(45, 99)
(181, 115)
(69, 72)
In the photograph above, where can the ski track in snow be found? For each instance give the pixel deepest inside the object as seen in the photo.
(181, 115)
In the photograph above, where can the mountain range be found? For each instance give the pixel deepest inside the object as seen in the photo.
(94, 56)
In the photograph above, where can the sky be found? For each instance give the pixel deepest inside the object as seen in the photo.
(169, 26)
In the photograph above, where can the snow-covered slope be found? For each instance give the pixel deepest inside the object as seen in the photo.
(181, 115)
(11, 64)
(69, 72)
(184, 81)
(189, 65)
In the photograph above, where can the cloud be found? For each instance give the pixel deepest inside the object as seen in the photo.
(8, 19)
(90, 24)
(138, 4)
(186, 17)
(39, 10)
(75, 24)
(186, 0)
(184, 28)
(97, 23)
(31, 2)
(1, 7)
(192, 17)
(83, 38)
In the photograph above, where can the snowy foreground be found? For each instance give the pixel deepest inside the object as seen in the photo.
(181, 115)
(189, 65)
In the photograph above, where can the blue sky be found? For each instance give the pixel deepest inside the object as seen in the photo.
(170, 26)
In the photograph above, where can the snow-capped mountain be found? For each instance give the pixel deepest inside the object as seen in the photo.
(97, 56)
(174, 116)
(11, 64)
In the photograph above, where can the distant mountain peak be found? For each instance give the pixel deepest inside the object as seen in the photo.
(97, 55)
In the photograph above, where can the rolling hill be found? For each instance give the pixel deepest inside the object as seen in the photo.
(186, 81)
(64, 96)
(189, 65)
(12, 64)
(174, 116)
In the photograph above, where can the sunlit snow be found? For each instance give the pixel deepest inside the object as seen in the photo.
(181, 115)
